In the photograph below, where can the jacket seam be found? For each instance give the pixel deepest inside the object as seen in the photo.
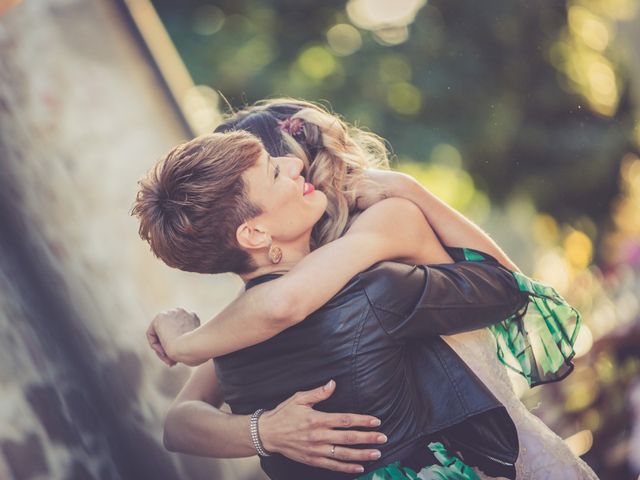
(453, 381)
(463, 305)
(378, 306)
(386, 310)
(354, 355)
(375, 314)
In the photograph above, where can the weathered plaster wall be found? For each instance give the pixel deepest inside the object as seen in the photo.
(82, 117)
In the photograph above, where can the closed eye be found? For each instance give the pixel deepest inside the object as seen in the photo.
(277, 172)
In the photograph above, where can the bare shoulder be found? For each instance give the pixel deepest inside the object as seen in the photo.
(401, 230)
(390, 213)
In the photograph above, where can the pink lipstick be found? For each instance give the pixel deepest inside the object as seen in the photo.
(308, 188)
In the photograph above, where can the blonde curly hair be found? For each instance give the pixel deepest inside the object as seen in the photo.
(335, 153)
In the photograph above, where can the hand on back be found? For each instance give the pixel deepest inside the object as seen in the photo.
(297, 431)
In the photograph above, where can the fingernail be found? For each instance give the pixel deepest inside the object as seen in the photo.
(328, 385)
(375, 422)
(375, 455)
(358, 469)
(382, 438)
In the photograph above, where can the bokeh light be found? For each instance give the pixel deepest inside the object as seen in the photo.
(578, 249)
(376, 14)
(552, 267)
(545, 229)
(208, 19)
(584, 342)
(343, 39)
(393, 68)
(579, 54)
(201, 105)
(590, 28)
(389, 36)
(317, 62)
(404, 98)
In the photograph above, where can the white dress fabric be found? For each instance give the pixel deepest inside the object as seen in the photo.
(543, 454)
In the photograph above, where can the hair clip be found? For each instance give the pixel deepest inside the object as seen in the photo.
(293, 126)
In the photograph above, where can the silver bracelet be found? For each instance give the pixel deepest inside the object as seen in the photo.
(255, 435)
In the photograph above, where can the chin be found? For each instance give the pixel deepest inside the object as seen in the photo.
(320, 206)
(322, 199)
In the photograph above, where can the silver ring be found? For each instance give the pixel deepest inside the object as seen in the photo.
(333, 451)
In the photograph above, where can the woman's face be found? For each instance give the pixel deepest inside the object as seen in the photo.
(290, 205)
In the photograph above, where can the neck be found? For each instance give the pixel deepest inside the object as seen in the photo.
(291, 255)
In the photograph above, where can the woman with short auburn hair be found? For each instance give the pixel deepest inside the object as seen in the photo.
(341, 162)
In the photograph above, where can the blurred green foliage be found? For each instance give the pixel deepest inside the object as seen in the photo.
(485, 77)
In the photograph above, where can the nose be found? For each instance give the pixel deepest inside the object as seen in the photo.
(294, 166)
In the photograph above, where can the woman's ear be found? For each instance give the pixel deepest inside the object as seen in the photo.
(252, 237)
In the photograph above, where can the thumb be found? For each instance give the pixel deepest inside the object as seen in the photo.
(316, 395)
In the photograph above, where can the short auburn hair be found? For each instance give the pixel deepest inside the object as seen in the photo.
(194, 199)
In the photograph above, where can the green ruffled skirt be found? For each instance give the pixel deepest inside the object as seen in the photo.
(450, 468)
(538, 341)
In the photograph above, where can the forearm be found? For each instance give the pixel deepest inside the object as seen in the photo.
(293, 429)
(255, 316)
(453, 228)
(267, 309)
(197, 428)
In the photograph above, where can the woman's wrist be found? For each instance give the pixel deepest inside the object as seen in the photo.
(399, 185)
(181, 349)
(407, 187)
(267, 432)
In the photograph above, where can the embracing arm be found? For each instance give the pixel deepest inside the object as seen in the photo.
(453, 228)
(267, 309)
(194, 421)
(391, 229)
(195, 425)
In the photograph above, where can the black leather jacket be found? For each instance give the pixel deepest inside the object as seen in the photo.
(379, 340)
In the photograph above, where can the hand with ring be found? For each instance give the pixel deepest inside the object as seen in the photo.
(297, 431)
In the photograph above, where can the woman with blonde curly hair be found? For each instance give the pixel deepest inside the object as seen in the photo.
(348, 166)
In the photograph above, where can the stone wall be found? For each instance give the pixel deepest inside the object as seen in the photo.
(82, 117)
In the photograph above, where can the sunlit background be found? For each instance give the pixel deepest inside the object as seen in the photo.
(525, 116)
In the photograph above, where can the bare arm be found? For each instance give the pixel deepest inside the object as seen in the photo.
(453, 228)
(195, 425)
(387, 230)
(194, 421)
(391, 229)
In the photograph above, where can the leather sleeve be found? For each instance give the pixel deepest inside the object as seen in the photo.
(429, 300)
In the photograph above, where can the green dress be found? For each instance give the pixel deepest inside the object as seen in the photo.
(538, 341)
(450, 468)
